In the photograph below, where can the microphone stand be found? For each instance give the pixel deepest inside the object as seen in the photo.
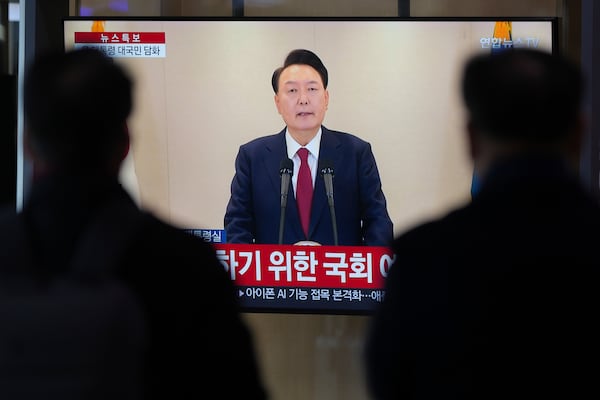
(327, 172)
(333, 222)
(281, 223)
(286, 169)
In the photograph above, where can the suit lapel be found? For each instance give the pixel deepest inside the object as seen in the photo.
(275, 150)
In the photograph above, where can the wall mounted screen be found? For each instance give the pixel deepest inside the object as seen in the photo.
(203, 88)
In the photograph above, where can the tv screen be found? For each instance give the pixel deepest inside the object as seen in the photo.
(203, 88)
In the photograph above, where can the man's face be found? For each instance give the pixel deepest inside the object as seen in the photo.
(301, 99)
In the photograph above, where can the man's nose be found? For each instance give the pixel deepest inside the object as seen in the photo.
(303, 98)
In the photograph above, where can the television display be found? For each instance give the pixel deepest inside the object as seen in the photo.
(203, 88)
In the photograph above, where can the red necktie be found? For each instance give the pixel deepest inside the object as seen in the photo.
(304, 190)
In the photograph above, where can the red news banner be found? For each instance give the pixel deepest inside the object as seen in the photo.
(124, 44)
(345, 279)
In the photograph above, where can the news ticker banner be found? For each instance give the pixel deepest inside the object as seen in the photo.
(344, 279)
(124, 44)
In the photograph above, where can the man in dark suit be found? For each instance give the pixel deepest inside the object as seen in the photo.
(76, 108)
(359, 207)
(497, 299)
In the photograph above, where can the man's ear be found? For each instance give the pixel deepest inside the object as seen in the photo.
(39, 164)
(126, 142)
(120, 153)
(473, 138)
(276, 100)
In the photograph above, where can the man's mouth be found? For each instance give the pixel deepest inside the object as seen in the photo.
(303, 114)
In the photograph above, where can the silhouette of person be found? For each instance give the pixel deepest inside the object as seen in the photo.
(359, 205)
(8, 142)
(76, 106)
(496, 299)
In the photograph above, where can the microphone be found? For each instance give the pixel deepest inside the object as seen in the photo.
(326, 170)
(286, 169)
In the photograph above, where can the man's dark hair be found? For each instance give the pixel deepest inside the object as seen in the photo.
(76, 105)
(302, 57)
(522, 94)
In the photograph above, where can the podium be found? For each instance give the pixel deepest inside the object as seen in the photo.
(307, 279)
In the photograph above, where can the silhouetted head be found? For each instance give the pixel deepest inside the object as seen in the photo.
(522, 94)
(76, 106)
(301, 57)
(522, 101)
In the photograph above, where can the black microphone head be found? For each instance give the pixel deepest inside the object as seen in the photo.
(286, 166)
(326, 167)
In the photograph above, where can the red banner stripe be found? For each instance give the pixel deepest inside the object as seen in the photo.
(359, 267)
(120, 37)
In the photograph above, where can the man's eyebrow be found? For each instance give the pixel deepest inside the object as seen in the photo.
(296, 82)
